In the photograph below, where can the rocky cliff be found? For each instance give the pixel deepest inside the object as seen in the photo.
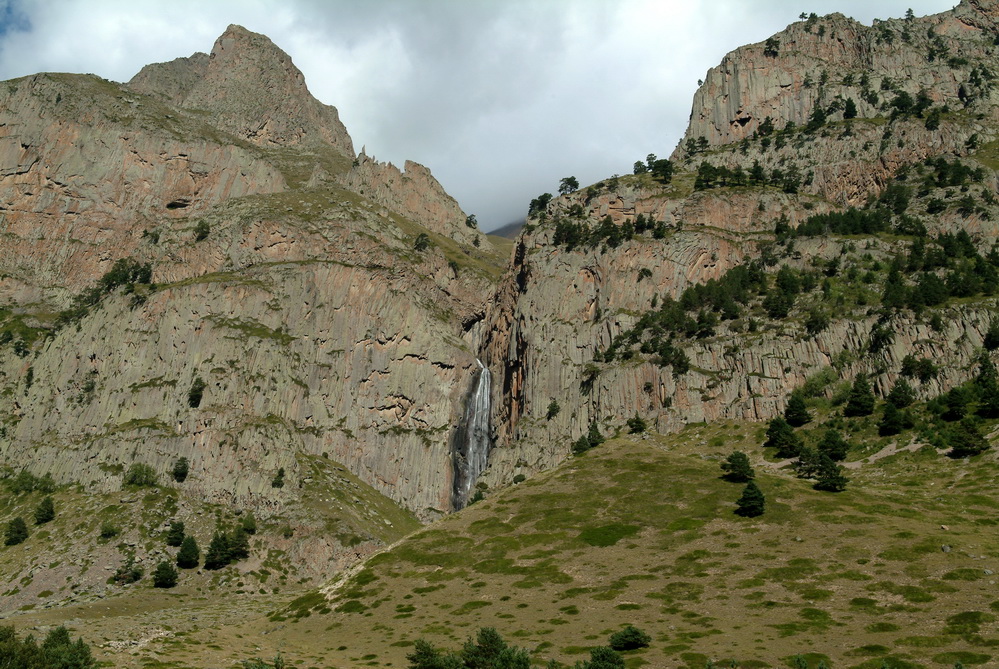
(771, 143)
(281, 278)
(326, 304)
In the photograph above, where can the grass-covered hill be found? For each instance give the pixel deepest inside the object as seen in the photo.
(642, 531)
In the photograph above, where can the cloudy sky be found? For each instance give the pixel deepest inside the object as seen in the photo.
(499, 98)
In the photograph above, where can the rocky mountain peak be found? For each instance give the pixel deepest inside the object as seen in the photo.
(252, 89)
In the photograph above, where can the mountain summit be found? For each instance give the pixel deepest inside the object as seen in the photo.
(252, 89)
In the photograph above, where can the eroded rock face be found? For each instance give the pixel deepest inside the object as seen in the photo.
(414, 193)
(303, 305)
(815, 62)
(228, 86)
(308, 342)
(86, 167)
(556, 309)
(559, 308)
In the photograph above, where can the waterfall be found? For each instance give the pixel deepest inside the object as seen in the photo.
(470, 450)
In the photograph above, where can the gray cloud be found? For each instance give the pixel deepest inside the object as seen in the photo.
(499, 99)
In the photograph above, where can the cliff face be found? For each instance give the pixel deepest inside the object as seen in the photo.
(228, 86)
(818, 61)
(919, 88)
(827, 64)
(414, 193)
(283, 279)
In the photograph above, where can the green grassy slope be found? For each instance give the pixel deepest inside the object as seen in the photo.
(643, 532)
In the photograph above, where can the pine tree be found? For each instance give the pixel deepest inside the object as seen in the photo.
(830, 476)
(239, 545)
(165, 575)
(902, 394)
(966, 439)
(217, 555)
(956, 401)
(987, 386)
(752, 502)
(593, 435)
(175, 535)
(807, 465)
(45, 511)
(891, 421)
(861, 400)
(737, 468)
(189, 554)
(17, 532)
(796, 413)
(834, 446)
(780, 435)
(991, 339)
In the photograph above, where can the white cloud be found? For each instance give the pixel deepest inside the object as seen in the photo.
(499, 99)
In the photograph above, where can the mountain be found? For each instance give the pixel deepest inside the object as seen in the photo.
(192, 269)
(200, 275)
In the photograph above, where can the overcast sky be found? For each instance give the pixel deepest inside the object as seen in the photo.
(499, 98)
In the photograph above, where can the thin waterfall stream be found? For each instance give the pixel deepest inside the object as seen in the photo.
(471, 444)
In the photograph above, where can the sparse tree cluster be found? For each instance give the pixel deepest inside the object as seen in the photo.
(56, 651)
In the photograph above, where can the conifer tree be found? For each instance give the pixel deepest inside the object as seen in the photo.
(189, 554)
(165, 575)
(737, 468)
(45, 511)
(796, 413)
(891, 421)
(780, 435)
(752, 502)
(807, 465)
(987, 386)
(175, 535)
(861, 400)
(833, 445)
(217, 555)
(902, 394)
(966, 439)
(239, 545)
(830, 476)
(17, 532)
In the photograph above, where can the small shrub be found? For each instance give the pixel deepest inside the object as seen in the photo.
(637, 424)
(278, 480)
(249, 524)
(201, 230)
(140, 475)
(180, 468)
(127, 573)
(629, 638)
(109, 530)
(196, 392)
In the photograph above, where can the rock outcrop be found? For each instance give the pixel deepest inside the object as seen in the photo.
(414, 193)
(919, 88)
(228, 87)
(301, 304)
